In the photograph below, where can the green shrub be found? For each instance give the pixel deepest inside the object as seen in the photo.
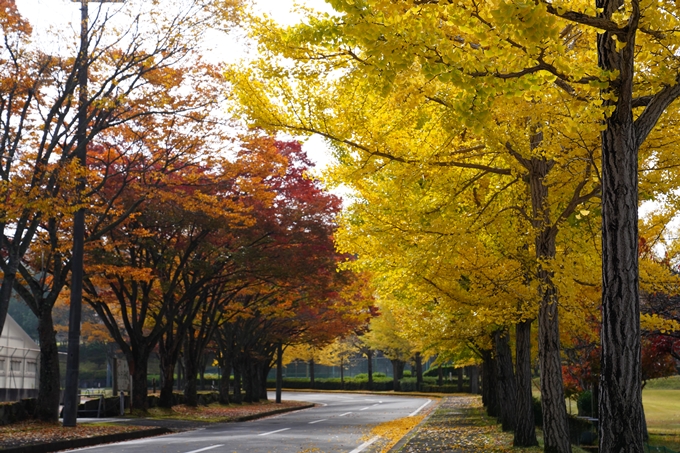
(446, 388)
(408, 384)
(379, 384)
(585, 404)
(434, 372)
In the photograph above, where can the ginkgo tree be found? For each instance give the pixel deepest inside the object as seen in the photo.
(491, 54)
(434, 161)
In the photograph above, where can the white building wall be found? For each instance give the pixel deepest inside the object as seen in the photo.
(19, 358)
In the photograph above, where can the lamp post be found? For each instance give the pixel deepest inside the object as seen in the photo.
(73, 359)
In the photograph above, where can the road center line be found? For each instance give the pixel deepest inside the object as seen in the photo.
(317, 421)
(346, 413)
(206, 448)
(272, 432)
(419, 409)
(363, 446)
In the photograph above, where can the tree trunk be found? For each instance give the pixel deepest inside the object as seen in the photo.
(311, 373)
(47, 407)
(419, 372)
(252, 382)
(264, 369)
(191, 382)
(620, 404)
(238, 398)
(167, 383)
(555, 427)
(397, 373)
(507, 388)
(203, 365)
(224, 383)
(525, 427)
(279, 372)
(474, 379)
(489, 384)
(138, 369)
(342, 374)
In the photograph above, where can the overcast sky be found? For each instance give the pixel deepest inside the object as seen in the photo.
(65, 15)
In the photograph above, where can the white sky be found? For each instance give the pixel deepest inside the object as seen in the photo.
(65, 14)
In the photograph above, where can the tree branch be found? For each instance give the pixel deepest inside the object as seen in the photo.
(656, 107)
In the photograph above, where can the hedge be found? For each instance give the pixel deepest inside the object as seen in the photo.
(380, 383)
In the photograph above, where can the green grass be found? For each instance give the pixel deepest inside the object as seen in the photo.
(669, 383)
(662, 409)
(660, 440)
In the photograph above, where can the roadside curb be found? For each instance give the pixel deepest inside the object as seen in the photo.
(86, 441)
(409, 435)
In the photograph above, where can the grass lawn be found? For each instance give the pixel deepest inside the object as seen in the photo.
(662, 409)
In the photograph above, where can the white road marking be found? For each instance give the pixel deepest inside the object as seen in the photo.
(346, 413)
(376, 404)
(365, 445)
(364, 408)
(206, 448)
(419, 409)
(317, 421)
(272, 432)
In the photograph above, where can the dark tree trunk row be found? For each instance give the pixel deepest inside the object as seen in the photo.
(397, 373)
(525, 428)
(507, 388)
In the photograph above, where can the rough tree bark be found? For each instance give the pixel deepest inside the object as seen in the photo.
(525, 427)
(489, 384)
(507, 388)
(419, 371)
(279, 371)
(620, 405)
(311, 373)
(48, 392)
(474, 379)
(397, 373)
(224, 382)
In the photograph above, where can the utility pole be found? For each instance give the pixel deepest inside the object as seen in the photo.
(71, 399)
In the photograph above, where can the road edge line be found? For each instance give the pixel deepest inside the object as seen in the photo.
(365, 445)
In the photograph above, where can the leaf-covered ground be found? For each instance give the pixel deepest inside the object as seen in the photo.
(219, 413)
(459, 425)
(33, 432)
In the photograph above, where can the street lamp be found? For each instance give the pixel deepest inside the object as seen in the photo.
(73, 359)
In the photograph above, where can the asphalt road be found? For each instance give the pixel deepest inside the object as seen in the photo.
(341, 423)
